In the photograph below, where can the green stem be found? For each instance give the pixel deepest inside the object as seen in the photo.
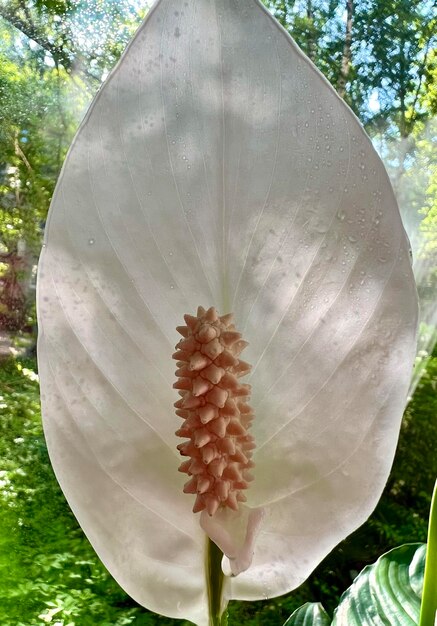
(215, 583)
(429, 596)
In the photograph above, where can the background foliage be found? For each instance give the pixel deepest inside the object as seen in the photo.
(381, 56)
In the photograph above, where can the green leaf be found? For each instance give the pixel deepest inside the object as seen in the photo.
(387, 592)
(428, 609)
(310, 614)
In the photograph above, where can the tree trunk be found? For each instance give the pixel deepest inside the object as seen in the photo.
(346, 59)
(281, 13)
(311, 49)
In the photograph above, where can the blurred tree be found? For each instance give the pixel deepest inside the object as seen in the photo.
(381, 57)
(53, 55)
(85, 37)
(318, 28)
(398, 37)
(379, 54)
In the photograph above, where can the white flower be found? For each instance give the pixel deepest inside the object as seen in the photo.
(217, 167)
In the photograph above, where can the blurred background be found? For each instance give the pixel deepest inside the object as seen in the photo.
(381, 57)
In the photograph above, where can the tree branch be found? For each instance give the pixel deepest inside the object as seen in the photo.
(29, 29)
(19, 152)
(69, 60)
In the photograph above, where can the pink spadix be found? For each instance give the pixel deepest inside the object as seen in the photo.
(214, 407)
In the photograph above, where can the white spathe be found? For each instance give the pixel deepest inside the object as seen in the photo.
(217, 167)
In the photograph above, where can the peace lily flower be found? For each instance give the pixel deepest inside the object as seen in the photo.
(217, 168)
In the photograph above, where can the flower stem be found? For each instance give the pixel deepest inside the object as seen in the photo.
(215, 583)
(429, 596)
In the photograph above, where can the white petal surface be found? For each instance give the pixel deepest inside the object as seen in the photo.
(217, 167)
